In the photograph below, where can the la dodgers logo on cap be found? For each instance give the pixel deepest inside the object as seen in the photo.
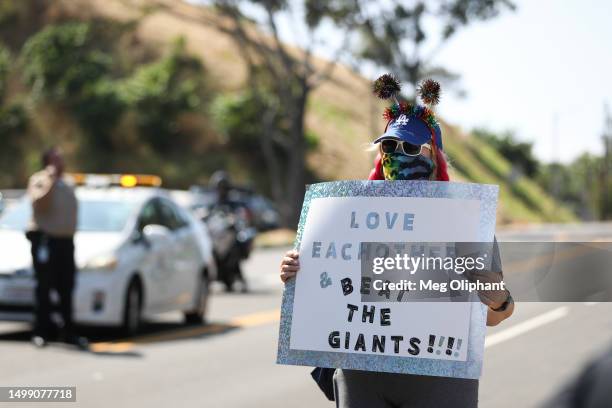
(402, 120)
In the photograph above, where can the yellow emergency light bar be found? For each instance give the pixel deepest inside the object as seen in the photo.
(122, 180)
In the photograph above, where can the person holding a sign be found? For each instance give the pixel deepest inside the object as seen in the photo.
(410, 149)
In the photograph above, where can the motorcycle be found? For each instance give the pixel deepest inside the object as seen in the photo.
(232, 238)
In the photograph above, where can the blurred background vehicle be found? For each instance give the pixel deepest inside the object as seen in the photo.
(138, 254)
(262, 214)
(10, 197)
(234, 225)
(229, 219)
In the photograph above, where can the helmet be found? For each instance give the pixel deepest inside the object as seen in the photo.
(220, 179)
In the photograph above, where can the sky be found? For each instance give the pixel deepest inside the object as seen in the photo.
(548, 59)
(543, 71)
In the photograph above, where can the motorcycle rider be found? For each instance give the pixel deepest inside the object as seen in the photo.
(220, 181)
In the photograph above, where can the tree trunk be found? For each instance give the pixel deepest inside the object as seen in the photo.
(296, 174)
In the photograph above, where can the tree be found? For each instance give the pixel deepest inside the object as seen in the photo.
(520, 154)
(238, 117)
(282, 79)
(398, 35)
(578, 186)
(585, 184)
(290, 75)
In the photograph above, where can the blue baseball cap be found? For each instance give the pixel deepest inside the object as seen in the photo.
(411, 129)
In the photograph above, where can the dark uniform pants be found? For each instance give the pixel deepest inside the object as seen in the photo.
(56, 271)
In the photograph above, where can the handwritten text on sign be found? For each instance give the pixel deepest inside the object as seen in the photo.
(328, 314)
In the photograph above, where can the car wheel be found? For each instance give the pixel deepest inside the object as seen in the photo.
(198, 316)
(132, 313)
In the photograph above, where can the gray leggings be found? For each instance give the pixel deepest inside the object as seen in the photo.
(366, 389)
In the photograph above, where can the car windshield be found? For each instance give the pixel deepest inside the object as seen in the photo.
(94, 216)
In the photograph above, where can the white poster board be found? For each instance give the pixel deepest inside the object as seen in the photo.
(323, 326)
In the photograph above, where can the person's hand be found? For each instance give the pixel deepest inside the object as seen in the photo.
(492, 298)
(492, 273)
(290, 265)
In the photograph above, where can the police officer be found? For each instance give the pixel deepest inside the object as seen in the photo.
(51, 232)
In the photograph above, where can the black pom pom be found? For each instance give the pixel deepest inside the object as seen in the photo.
(386, 86)
(429, 91)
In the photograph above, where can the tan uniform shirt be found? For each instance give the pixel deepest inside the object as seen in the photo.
(54, 204)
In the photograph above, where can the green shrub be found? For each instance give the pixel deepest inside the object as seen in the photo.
(238, 118)
(159, 92)
(98, 109)
(13, 119)
(5, 63)
(60, 60)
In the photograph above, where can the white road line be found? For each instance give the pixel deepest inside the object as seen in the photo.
(591, 303)
(526, 326)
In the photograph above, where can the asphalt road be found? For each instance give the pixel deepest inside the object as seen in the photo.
(231, 361)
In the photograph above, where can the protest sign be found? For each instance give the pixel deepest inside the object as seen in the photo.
(324, 321)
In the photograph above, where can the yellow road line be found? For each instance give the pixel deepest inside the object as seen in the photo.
(181, 333)
(109, 347)
(245, 321)
(256, 319)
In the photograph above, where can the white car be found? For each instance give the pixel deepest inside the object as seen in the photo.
(137, 254)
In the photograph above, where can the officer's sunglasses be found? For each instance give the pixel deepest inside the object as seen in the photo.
(409, 149)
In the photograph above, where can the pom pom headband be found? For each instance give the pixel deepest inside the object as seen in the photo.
(404, 108)
(388, 87)
(429, 91)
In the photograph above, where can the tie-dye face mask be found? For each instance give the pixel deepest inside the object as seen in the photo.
(398, 166)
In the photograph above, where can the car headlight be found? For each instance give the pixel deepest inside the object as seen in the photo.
(102, 262)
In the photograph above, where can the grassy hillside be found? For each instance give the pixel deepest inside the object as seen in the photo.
(521, 200)
(342, 112)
